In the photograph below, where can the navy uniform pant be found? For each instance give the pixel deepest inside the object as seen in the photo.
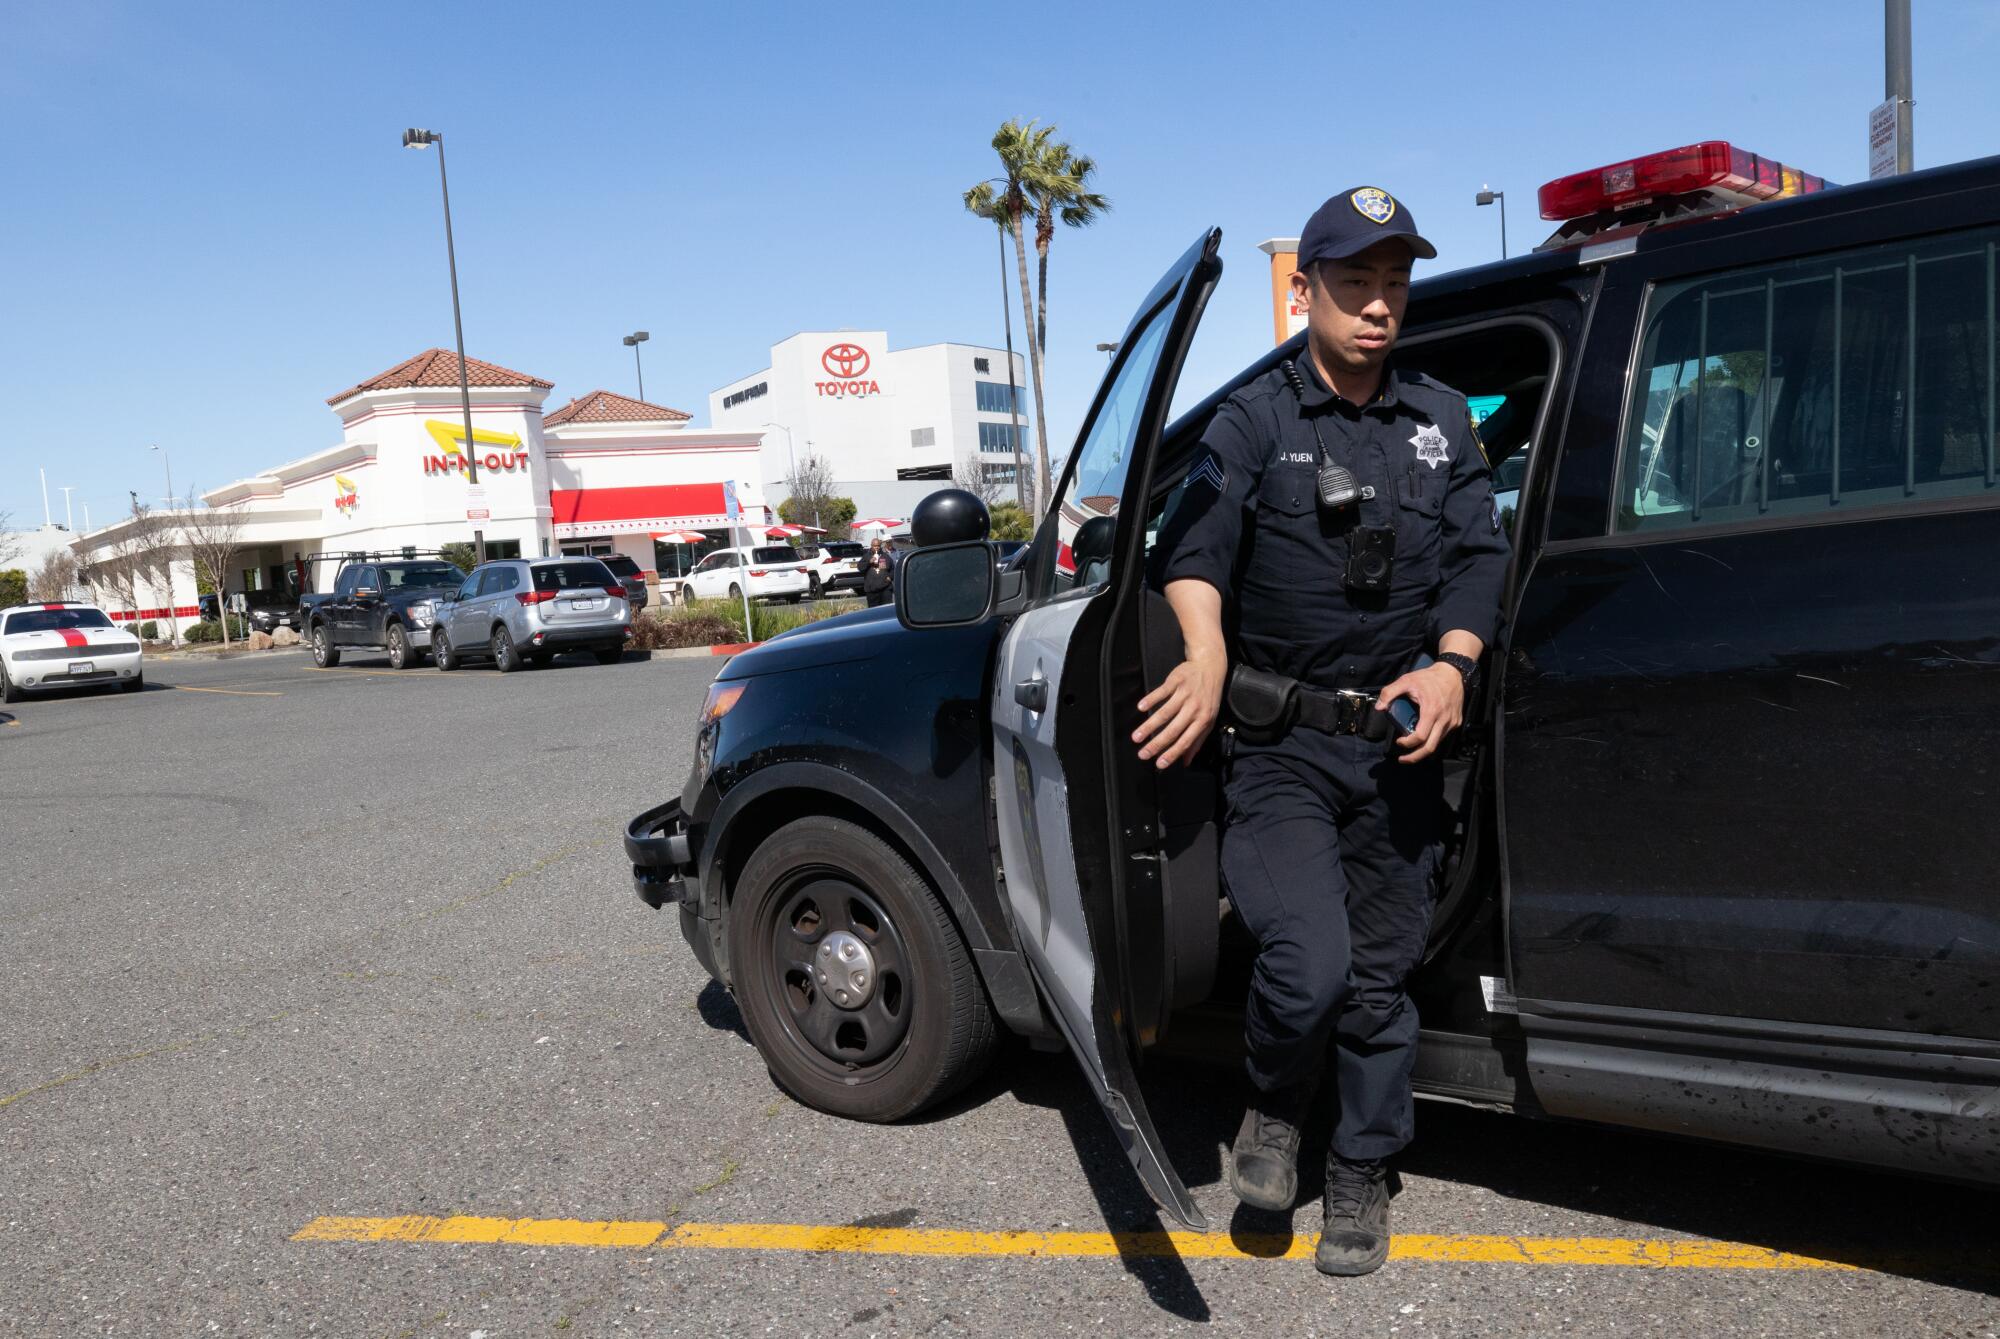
(1329, 856)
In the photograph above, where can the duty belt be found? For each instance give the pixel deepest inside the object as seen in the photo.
(1346, 711)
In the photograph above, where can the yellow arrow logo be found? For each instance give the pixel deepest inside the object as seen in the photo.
(450, 435)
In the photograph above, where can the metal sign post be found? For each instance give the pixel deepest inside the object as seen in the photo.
(733, 509)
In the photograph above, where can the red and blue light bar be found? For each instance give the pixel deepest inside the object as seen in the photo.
(1726, 174)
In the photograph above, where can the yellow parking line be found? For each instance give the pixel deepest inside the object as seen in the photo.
(1444, 1248)
(232, 692)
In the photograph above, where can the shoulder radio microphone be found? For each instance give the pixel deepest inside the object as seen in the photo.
(1337, 485)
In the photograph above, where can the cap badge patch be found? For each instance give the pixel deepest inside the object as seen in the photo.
(1371, 202)
(1431, 445)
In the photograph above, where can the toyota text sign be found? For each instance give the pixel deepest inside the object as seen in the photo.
(848, 365)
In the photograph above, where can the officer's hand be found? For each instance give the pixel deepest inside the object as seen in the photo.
(1183, 709)
(1439, 692)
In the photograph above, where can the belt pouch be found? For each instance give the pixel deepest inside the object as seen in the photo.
(1260, 704)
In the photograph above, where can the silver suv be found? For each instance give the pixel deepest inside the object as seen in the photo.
(519, 611)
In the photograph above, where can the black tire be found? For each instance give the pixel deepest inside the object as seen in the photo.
(735, 591)
(923, 1030)
(325, 654)
(610, 655)
(812, 584)
(506, 658)
(135, 684)
(10, 692)
(399, 647)
(441, 653)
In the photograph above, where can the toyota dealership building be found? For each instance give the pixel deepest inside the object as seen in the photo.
(892, 424)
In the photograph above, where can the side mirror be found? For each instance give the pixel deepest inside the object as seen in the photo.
(946, 585)
(364, 592)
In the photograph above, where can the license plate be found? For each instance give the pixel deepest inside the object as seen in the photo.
(581, 604)
(82, 667)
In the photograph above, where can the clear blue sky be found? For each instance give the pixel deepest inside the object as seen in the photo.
(210, 225)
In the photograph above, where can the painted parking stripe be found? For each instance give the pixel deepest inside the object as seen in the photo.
(1443, 1248)
(232, 692)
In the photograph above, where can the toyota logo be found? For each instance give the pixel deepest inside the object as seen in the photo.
(845, 361)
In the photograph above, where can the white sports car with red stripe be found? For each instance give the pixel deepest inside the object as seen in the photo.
(44, 646)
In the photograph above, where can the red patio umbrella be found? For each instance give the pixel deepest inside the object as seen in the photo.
(681, 536)
(876, 523)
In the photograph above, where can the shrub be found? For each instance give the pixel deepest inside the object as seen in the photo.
(13, 587)
(149, 631)
(209, 630)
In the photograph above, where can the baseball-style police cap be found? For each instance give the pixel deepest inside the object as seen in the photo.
(1355, 220)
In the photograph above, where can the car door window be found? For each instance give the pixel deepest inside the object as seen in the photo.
(1804, 389)
(1086, 515)
(470, 588)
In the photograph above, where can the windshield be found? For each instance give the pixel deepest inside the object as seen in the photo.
(621, 564)
(418, 576)
(55, 620)
(575, 576)
(841, 548)
(773, 553)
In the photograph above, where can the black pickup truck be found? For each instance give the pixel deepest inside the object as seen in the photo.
(384, 604)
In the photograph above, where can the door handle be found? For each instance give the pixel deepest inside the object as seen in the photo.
(1033, 694)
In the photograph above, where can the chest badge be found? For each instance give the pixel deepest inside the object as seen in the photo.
(1431, 446)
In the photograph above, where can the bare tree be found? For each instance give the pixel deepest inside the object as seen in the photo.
(127, 560)
(971, 474)
(812, 500)
(11, 543)
(56, 578)
(214, 538)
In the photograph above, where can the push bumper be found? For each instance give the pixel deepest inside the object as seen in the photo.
(656, 842)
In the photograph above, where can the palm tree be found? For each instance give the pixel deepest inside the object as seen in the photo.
(1022, 148)
(980, 200)
(1058, 188)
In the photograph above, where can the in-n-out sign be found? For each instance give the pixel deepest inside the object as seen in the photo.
(848, 363)
(450, 436)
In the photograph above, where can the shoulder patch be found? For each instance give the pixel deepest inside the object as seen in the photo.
(1208, 472)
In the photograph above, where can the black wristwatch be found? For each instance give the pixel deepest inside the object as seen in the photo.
(1467, 667)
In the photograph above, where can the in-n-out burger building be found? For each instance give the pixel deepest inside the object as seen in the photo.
(601, 474)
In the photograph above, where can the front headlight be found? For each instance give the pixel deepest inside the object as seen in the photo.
(722, 697)
(423, 611)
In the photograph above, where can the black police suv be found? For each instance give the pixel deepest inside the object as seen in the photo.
(1722, 855)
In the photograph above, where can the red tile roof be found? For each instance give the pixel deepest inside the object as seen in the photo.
(605, 407)
(439, 367)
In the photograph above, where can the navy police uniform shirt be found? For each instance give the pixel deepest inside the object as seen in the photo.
(1248, 522)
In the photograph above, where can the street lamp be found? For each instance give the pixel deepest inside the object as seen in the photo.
(170, 472)
(1109, 351)
(633, 341)
(1487, 195)
(418, 139)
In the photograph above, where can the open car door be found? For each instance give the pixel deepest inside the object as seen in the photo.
(1060, 738)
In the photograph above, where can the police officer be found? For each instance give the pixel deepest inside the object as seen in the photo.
(1337, 526)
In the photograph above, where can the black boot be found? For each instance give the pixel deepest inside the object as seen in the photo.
(1354, 1239)
(1264, 1163)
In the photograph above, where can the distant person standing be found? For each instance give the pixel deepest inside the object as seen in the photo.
(878, 575)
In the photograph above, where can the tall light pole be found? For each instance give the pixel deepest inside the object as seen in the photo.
(69, 517)
(170, 472)
(418, 139)
(633, 341)
(1897, 84)
(1487, 195)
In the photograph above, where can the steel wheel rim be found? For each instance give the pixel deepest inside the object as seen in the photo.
(857, 1042)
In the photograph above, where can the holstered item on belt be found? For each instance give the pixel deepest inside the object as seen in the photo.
(1263, 707)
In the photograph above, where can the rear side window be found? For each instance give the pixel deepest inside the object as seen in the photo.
(621, 564)
(1816, 386)
(844, 549)
(774, 553)
(574, 575)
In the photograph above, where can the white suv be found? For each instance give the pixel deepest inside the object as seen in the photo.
(765, 571)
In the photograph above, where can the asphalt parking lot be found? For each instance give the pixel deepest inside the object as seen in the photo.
(330, 1010)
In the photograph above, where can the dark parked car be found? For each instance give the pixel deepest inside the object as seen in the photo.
(627, 570)
(383, 604)
(271, 610)
(1721, 854)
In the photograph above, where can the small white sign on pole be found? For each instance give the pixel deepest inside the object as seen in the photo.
(1883, 124)
(475, 504)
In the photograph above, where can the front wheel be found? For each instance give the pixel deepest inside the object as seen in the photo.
(812, 584)
(399, 647)
(10, 692)
(325, 654)
(850, 976)
(505, 658)
(441, 653)
(135, 684)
